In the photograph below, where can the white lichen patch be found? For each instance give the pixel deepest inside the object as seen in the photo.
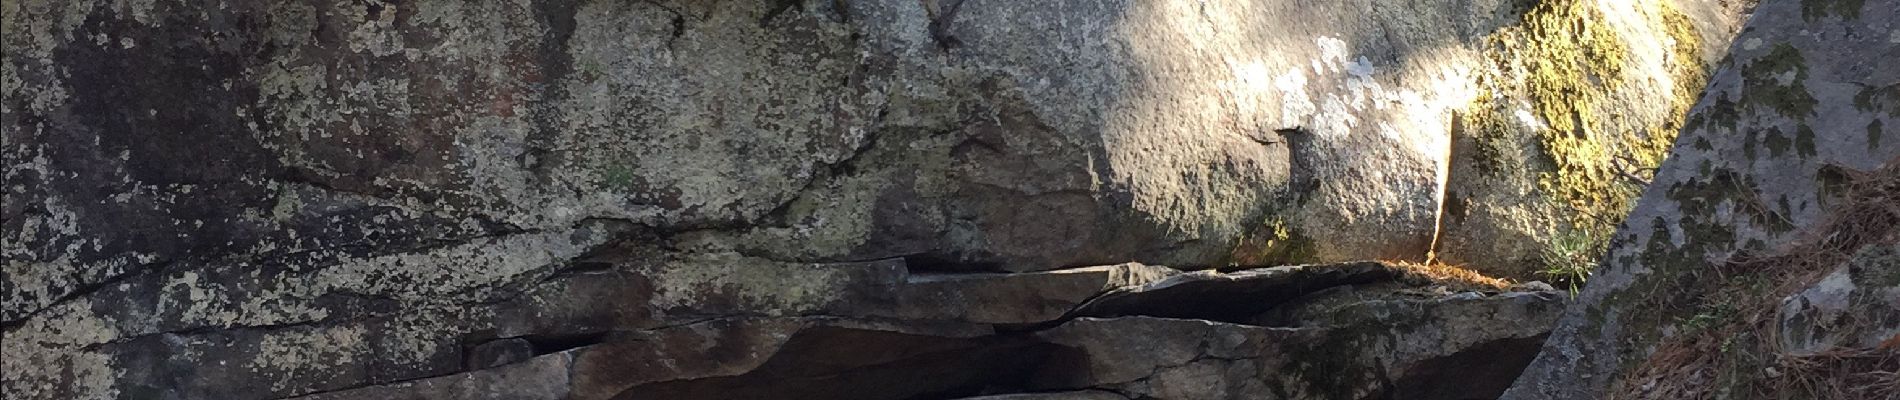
(747, 117)
(763, 286)
(461, 271)
(295, 356)
(41, 276)
(43, 356)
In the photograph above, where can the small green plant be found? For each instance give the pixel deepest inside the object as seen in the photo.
(1571, 258)
(1709, 316)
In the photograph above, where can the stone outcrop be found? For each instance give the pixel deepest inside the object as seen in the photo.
(1581, 104)
(1767, 237)
(430, 198)
(1416, 348)
(1342, 340)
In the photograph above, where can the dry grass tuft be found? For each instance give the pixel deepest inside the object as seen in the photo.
(1735, 352)
(1454, 277)
(1843, 374)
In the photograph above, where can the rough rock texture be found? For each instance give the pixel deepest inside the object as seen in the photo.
(1342, 341)
(1780, 176)
(1856, 306)
(1215, 295)
(315, 196)
(1432, 348)
(1578, 105)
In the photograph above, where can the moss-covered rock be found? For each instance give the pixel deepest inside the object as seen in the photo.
(1584, 100)
(1775, 183)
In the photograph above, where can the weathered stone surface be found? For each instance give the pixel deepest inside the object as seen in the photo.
(1352, 342)
(1584, 100)
(346, 340)
(312, 197)
(1761, 173)
(1854, 307)
(1414, 348)
(740, 358)
(1225, 296)
(544, 377)
(1074, 395)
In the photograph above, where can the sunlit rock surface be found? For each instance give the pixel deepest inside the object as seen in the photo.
(1780, 188)
(272, 199)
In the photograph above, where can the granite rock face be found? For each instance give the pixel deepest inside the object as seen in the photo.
(1581, 103)
(1341, 340)
(1777, 199)
(311, 197)
(1366, 348)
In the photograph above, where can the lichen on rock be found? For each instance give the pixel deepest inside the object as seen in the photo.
(1769, 193)
(1561, 141)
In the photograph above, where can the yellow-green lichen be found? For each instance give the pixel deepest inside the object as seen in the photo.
(1492, 150)
(1571, 58)
(1556, 116)
(1273, 243)
(1686, 65)
(1573, 61)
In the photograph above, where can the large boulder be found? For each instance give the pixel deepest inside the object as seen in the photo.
(1445, 348)
(1581, 103)
(1395, 334)
(1777, 198)
(313, 196)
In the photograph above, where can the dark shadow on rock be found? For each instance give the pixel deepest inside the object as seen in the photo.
(1230, 297)
(1483, 371)
(846, 363)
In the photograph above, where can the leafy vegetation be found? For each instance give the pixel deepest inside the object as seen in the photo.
(1571, 257)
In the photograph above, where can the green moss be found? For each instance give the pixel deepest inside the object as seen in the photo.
(1877, 99)
(1696, 121)
(618, 176)
(1749, 142)
(1725, 113)
(1572, 62)
(1676, 290)
(1275, 242)
(1668, 291)
(1804, 141)
(1687, 67)
(1876, 266)
(1707, 315)
(1833, 182)
(1873, 134)
(1492, 152)
(1777, 143)
(1814, 10)
(1699, 198)
(1565, 60)
(1765, 87)
(1287, 245)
